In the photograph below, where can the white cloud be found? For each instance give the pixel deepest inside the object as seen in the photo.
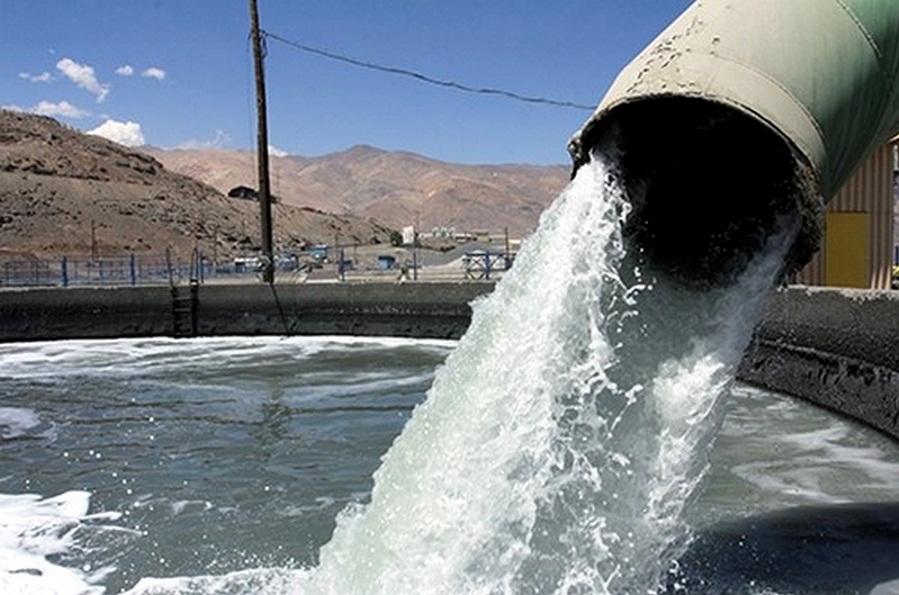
(221, 139)
(83, 76)
(124, 133)
(63, 108)
(44, 77)
(154, 73)
(276, 152)
(124, 70)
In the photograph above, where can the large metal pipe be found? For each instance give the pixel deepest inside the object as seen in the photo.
(754, 81)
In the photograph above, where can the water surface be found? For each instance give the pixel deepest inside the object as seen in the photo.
(216, 456)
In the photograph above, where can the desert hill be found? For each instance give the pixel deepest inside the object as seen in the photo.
(64, 192)
(396, 188)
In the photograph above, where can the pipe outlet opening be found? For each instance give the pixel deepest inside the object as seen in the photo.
(708, 185)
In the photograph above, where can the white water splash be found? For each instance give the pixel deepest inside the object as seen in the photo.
(565, 435)
(564, 438)
(31, 531)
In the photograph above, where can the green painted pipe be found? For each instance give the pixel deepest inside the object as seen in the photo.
(818, 74)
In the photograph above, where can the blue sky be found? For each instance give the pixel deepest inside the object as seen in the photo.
(178, 73)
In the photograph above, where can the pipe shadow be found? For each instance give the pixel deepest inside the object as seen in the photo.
(849, 548)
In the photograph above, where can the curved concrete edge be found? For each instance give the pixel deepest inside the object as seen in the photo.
(852, 323)
(425, 310)
(37, 314)
(857, 389)
(836, 348)
(421, 310)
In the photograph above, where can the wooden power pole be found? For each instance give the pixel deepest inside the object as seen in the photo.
(265, 195)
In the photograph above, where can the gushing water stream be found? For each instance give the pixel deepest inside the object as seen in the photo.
(557, 452)
(565, 436)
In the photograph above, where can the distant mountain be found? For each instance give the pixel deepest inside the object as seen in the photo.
(65, 192)
(396, 188)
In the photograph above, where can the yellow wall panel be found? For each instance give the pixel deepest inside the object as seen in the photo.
(869, 191)
(846, 250)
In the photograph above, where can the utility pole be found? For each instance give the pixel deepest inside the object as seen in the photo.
(93, 241)
(265, 196)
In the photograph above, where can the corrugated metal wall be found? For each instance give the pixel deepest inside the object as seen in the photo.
(869, 191)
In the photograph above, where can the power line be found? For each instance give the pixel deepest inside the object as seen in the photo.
(423, 77)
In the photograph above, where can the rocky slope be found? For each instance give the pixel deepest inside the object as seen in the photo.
(64, 192)
(395, 187)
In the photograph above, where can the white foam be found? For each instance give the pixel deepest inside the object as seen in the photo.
(16, 422)
(889, 588)
(817, 457)
(142, 357)
(264, 581)
(31, 529)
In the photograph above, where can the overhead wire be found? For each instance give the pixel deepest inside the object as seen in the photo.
(423, 77)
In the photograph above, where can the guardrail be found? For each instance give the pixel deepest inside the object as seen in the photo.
(130, 269)
(165, 269)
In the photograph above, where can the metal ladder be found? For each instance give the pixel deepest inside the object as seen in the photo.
(184, 304)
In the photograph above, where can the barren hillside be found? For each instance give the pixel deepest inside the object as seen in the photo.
(64, 192)
(394, 187)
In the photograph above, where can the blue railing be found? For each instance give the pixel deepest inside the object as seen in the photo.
(131, 269)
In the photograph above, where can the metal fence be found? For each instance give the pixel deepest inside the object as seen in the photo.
(131, 269)
(158, 269)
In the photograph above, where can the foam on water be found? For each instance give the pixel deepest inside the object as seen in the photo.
(32, 530)
(809, 467)
(271, 581)
(140, 358)
(19, 423)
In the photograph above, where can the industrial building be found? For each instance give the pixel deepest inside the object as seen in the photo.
(858, 247)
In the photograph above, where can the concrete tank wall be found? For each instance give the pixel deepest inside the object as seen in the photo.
(432, 310)
(836, 348)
